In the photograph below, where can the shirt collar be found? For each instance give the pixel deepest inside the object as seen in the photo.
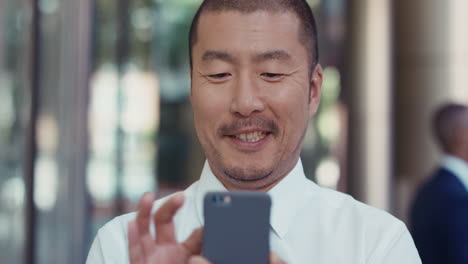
(207, 183)
(288, 196)
(458, 167)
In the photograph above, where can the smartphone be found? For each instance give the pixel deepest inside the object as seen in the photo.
(237, 227)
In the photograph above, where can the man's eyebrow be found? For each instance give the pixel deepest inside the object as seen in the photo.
(272, 55)
(210, 55)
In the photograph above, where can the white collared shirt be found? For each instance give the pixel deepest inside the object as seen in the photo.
(309, 224)
(456, 166)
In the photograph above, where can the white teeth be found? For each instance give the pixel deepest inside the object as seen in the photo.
(252, 136)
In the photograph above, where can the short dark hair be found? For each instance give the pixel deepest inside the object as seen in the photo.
(447, 121)
(308, 28)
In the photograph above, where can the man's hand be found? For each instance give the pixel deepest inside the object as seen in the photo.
(143, 249)
(165, 249)
(274, 259)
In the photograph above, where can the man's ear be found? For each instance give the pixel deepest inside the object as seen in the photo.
(315, 89)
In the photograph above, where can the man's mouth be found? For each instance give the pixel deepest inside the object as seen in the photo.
(254, 136)
(249, 134)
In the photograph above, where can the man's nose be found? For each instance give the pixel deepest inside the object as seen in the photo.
(246, 97)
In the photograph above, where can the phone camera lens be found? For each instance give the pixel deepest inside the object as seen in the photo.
(217, 199)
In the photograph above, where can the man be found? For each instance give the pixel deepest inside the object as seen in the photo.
(255, 83)
(439, 217)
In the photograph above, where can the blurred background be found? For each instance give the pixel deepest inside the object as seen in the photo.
(94, 109)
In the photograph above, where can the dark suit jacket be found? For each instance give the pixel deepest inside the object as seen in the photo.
(439, 220)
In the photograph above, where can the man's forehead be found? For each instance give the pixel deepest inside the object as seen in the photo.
(208, 16)
(261, 24)
(258, 36)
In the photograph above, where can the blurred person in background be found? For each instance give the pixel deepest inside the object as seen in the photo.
(439, 216)
(255, 82)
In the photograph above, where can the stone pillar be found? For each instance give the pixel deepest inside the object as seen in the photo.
(61, 194)
(367, 88)
(431, 67)
(458, 56)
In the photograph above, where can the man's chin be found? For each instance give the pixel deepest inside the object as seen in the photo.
(248, 178)
(243, 176)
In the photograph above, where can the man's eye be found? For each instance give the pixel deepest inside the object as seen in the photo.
(219, 76)
(272, 76)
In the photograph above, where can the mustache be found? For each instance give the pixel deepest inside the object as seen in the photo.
(255, 121)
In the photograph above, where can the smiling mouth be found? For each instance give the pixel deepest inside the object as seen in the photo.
(254, 136)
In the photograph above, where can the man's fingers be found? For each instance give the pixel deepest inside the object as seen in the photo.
(143, 223)
(165, 231)
(194, 243)
(198, 260)
(135, 252)
(274, 259)
(144, 213)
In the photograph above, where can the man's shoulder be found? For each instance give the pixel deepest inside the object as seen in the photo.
(377, 231)
(443, 184)
(347, 213)
(110, 243)
(341, 203)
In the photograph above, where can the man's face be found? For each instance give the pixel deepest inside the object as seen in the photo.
(252, 95)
